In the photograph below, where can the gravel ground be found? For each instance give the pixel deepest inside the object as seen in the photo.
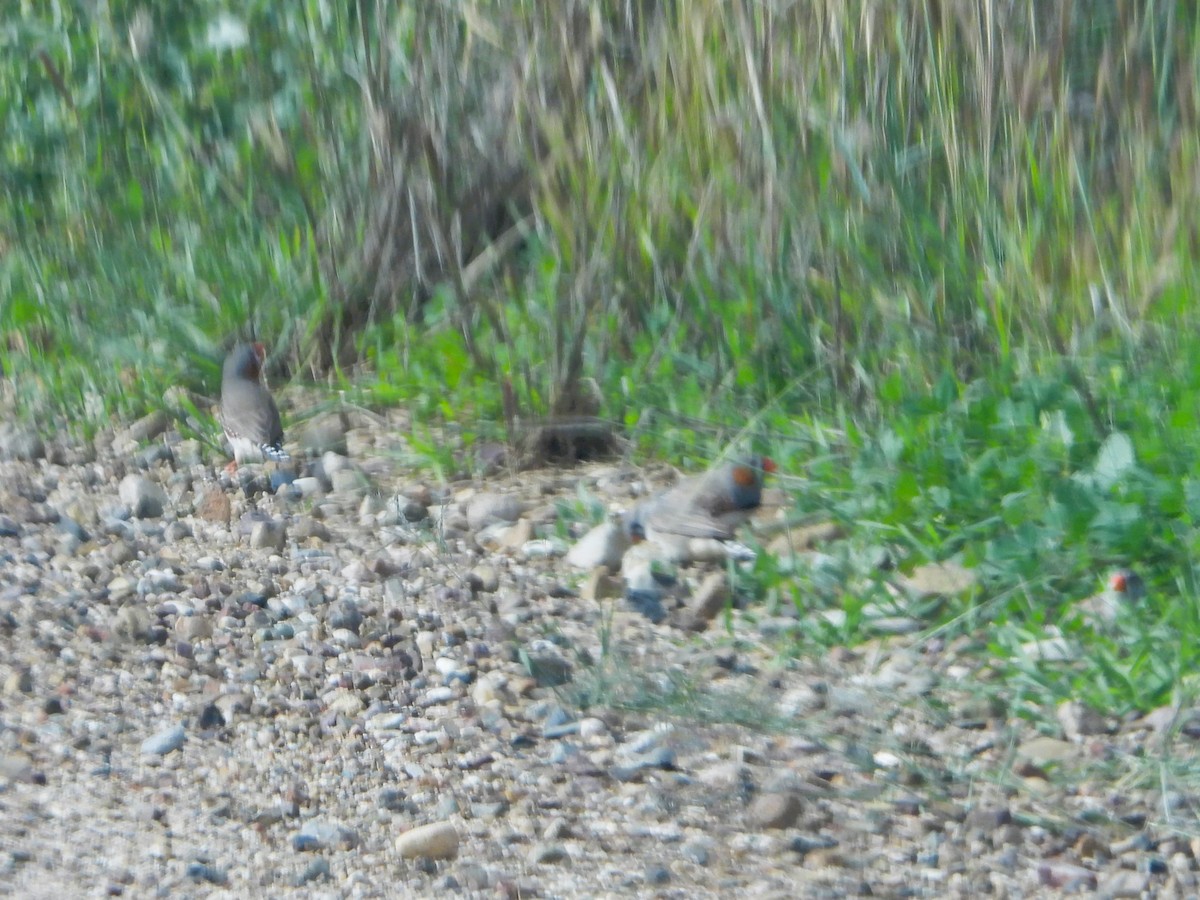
(370, 685)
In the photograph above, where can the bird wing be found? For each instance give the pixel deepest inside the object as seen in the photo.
(251, 413)
(685, 521)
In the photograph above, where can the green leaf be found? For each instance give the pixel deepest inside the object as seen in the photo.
(1191, 497)
(133, 196)
(1114, 461)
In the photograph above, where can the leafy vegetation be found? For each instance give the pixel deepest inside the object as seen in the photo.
(938, 257)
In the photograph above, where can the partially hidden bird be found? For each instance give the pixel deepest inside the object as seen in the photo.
(1124, 588)
(706, 507)
(249, 415)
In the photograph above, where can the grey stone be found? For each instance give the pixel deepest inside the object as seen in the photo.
(546, 854)
(16, 766)
(21, 444)
(698, 851)
(344, 614)
(484, 578)
(269, 535)
(144, 498)
(325, 433)
(438, 840)
(144, 429)
(604, 545)
(489, 508)
(549, 667)
(348, 481)
(165, 741)
(776, 810)
(309, 486)
(322, 834)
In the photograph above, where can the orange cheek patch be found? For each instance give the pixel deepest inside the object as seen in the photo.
(743, 476)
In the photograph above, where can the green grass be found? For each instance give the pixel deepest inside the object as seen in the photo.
(937, 258)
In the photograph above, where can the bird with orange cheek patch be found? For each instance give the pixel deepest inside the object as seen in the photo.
(248, 412)
(691, 520)
(1124, 587)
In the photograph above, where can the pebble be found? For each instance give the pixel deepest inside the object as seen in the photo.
(142, 497)
(1078, 720)
(159, 581)
(149, 457)
(1066, 877)
(18, 681)
(774, 810)
(280, 479)
(484, 578)
(309, 486)
(121, 587)
(268, 535)
(204, 872)
(943, 579)
(317, 869)
(546, 548)
(69, 526)
(211, 717)
(516, 536)
(345, 614)
(306, 528)
(634, 766)
(488, 508)
(657, 875)
(600, 585)
(438, 840)
(547, 854)
(163, 742)
(709, 600)
(193, 628)
(320, 834)
(1041, 751)
(325, 433)
(404, 511)
(547, 665)
(177, 531)
(349, 482)
(21, 444)
(648, 603)
(16, 767)
(603, 545)
(592, 729)
(698, 851)
(147, 428)
(331, 463)
(805, 844)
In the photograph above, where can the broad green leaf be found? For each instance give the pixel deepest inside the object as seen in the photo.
(1114, 461)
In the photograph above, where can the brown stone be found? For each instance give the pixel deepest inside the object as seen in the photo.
(777, 810)
(709, 600)
(214, 506)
